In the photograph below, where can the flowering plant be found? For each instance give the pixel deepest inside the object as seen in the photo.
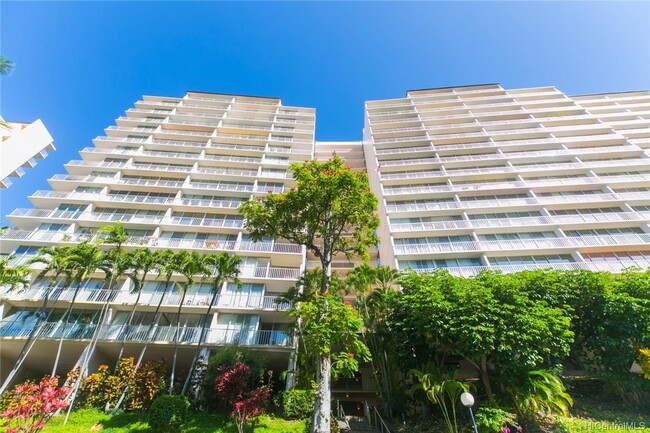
(34, 405)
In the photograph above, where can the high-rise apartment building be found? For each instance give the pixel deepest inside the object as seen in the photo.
(173, 171)
(20, 145)
(479, 177)
(468, 178)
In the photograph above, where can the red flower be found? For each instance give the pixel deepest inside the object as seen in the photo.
(347, 303)
(351, 355)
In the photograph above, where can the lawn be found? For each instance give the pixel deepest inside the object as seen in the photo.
(92, 420)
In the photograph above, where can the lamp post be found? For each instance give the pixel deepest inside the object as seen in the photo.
(468, 401)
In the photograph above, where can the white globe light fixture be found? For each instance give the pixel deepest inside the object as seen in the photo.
(468, 401)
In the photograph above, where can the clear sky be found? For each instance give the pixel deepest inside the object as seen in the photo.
(79, 65)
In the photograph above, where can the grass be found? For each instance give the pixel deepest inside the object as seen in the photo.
(591, 415)
(93, 420)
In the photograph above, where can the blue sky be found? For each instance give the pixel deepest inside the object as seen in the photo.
(80, 65)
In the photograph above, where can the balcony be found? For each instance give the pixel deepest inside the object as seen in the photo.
(115, 198)
(236, 301)
(613, 266)
(203, 222)
(245, 246)
(46, 213)
(270, 272)
(141, 334)
(221, 187)
(523, 244)
(44, 236)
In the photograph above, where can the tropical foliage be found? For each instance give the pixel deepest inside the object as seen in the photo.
(330, 211)
(444, 391)
(31, 405)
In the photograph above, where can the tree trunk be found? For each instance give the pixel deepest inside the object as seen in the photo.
(148, 338)
(65, 325)
(125, 329)
(485, 378)
(197, 352)
(91, 348)
(323, 395)
(322, 408)
(176, 336)
(31, 340)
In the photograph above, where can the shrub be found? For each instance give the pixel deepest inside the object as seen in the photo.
(103, 389)
(225, 359)
(33, 406)
(495, 420)
(168, 412)
(231, 384)
(148, 383)
(297, 403)
(249, 409)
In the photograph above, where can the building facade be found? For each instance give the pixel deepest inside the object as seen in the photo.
(468, 178)
(479, 177)
(173, 171)
(20, 145)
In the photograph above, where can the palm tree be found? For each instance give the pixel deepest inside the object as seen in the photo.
(224, 267)
(143, 262)
(6, 66)
(84, 260)
(120, 265)
(190, 265)
(55, 260)
(372, 287)
(166, 264)
(13, 275)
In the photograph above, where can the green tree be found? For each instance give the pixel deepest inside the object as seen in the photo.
(190, 265)
(84, 260)
(489, 321)
(373, 288)
(55, 264)
(120, 266)
(143, 262)
(330, 211)
(13, 276)
(224, 267)
(6, 66)
(166, 264)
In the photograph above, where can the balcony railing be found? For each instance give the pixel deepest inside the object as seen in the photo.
(523, 244)
(142, 334)
(203, 222)
(270, 272)
(170, 298)
(610, 266)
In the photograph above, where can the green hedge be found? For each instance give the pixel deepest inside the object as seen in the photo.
(168, 412)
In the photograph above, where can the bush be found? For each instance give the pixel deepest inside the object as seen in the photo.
(228, 357)
(297, 404)
(33, 405)
(168, 412)
(494, 420)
